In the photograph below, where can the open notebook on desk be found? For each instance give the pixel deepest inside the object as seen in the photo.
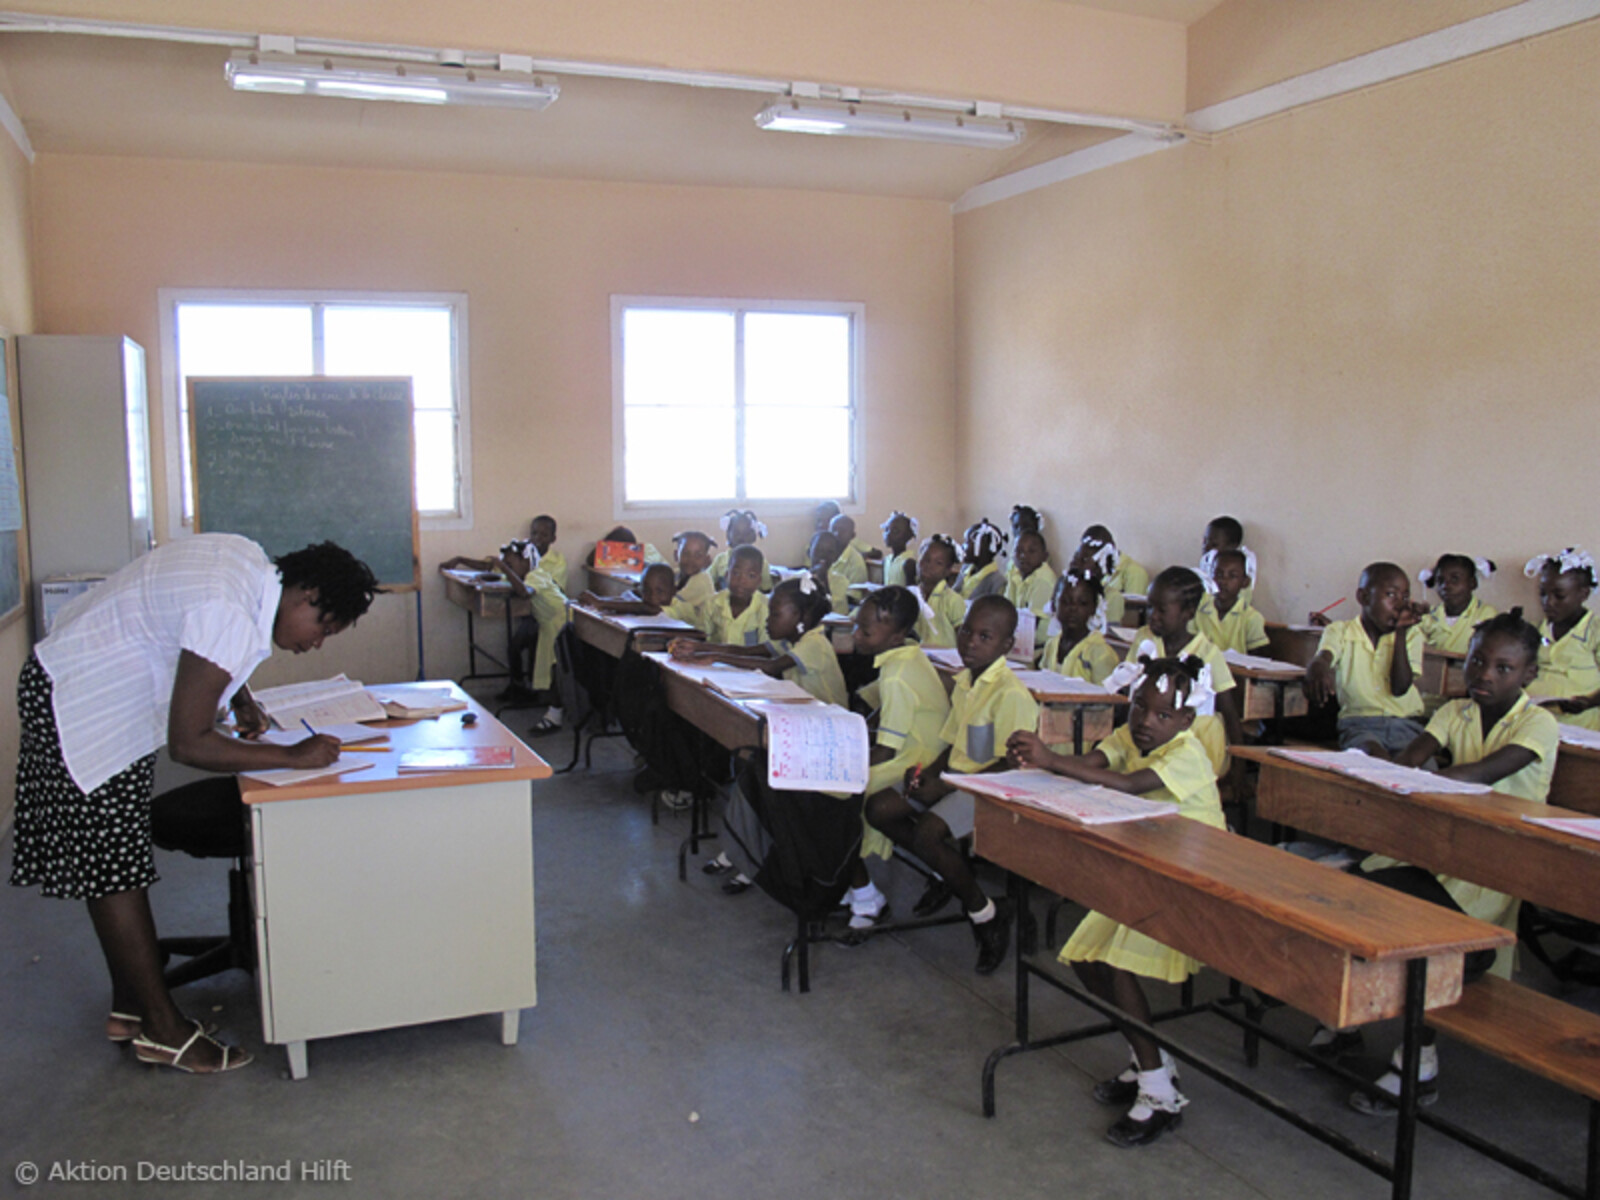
(1405, 780)
(1085, 803)
(335, 701)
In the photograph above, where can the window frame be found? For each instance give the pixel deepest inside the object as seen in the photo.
(623, 508)
(172, 403)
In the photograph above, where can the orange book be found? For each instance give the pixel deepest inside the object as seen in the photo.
(618, 556)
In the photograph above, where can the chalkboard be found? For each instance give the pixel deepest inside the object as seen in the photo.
(287, 462)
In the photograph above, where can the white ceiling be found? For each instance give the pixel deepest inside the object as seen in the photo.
(115, 96)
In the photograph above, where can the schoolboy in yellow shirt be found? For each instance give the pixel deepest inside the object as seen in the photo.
(1226, 533)
(1030, 581)
(1225, 616)
(1371, 664)
(823, 559)
(988, 705)
(852, 561)
(740, 527)
(737, 615)
(1569, 659)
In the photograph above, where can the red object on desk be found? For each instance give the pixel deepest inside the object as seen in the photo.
(618, 556)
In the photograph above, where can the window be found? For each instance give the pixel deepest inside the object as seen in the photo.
(723, 402)
(275, 333)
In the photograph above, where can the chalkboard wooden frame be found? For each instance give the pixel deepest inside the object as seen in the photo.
(250, 437)
(11, 540)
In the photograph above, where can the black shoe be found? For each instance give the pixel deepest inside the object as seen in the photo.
(1129, 1133)
(1117, 1091)
(1343, 1044)
(737, 887)
(934, 897)
(993, 939)
(715, 866)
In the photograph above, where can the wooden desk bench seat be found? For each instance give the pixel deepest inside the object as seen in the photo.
(1539, 1033)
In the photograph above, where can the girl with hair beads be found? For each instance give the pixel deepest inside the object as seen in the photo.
(1569, 659)
(798, 649)
(980, 574)
(1174, 602)
(1449, 625)
(1119, 574)
(1077, 646)
(942, 607)
(908, 707)
(1030, 581)
(1155, 755)
(1024, 519)
(900, 568)
(741, 527)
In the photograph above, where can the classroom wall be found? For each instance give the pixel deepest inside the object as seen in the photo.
(1366, 328)
(540, 261)
(16, 315)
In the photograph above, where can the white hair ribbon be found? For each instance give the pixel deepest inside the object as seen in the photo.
(924, 607)
(1485, 567)
(522, 548)
(808, 584)
(1130, 673)
(1573, 558)
(1202, 695)
(987, 534)
(1208, 570)
(1425, 577)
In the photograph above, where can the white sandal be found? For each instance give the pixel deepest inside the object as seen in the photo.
(147, 1051)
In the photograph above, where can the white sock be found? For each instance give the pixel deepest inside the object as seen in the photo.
(553, 715)
(1427, 1068)
(722, 860)
(1156, 1086)
(741, 877)
(985, 914)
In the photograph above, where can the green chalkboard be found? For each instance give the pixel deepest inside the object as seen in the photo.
(287, 462)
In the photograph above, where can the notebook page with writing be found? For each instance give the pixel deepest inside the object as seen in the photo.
(814, 747)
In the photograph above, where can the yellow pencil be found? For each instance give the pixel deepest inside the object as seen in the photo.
(366, 749)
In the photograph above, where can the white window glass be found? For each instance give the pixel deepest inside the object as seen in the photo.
(326, 336)
(736, 403)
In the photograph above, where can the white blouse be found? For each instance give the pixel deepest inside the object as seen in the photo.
(113, 653)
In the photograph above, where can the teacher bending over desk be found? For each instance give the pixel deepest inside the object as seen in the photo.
(144, 660)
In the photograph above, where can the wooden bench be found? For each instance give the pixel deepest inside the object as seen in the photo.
(1443, 673)
(1576, 783)
(1542, 1035)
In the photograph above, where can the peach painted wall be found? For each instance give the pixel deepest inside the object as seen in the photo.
(539, 261)
(1366, 328)
(16, 315)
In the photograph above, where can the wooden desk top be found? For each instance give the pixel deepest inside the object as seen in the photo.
(481, 597)
(383, 776)
(1293, 643)
(1326, 942)
(610, 636)
(1480, 837)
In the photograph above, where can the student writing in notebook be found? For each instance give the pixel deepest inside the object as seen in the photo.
(1155, 755)
(932, 819)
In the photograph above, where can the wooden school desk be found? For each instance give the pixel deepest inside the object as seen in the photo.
(612, 581)
(384, 899)
(1481, 837)
(1576, 783)
(1342, 949)
(1270, 693)
(1064, 716)
(483, 599)
(1443, 673)
(1293, 643)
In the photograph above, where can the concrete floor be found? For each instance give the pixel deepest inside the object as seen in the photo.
(663, 1061)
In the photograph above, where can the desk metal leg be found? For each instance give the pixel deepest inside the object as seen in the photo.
(510, 1023)
(1405, 1137)
(472, 648)
(297, 1059)
(1077, 730)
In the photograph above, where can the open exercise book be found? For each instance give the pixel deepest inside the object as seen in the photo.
(736, 683)
(322, 702)
(1265, 666)
(1405, 780)
(348, 734)
(815, 748)
(640, 621)
(1049, 685)
(1584, 827)
(1085, 803)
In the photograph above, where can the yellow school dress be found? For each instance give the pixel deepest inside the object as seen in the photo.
(1571, 667)
(1458, 728)
(816, 666)
(894, 568)
(1453, 633)
(547, 599)
(912, 709)
(949, 610)
(1243, 629)
(1187, 781)
(985, 581)
(984, 713)
(838, 589)
(722, 562)
(1361, 671)
(1209, 729)
(1032, 592)
(749, 628)
(1092, 658)
(852, 565)
(693, 600)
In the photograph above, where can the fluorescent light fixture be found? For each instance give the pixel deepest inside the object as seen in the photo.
(359, 79)
(848, 119)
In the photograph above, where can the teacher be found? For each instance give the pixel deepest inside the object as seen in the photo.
(147, 659)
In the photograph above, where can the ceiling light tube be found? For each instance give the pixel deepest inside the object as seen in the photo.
(298, 75)
(796, 115)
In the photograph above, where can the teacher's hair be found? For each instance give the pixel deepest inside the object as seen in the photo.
(344, 584)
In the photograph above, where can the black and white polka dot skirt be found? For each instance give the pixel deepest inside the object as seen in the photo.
(72, 845)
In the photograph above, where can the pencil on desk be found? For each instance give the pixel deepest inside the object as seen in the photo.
(366, 749)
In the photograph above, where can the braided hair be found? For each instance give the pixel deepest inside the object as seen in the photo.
(1183, 583)
(896, 605)
(1512, 625)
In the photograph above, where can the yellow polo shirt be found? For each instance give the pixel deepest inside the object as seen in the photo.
(984, 713)
(1032, 592)
(1453, 633)
(1243, 629)
(1092, 658)
(693, 600)
(1361, 671)
(1183, 767)
(971, 584)
(912, 710)
(749, 628)
(852, 565)
(1571, 667)
(816, 666)
(949, 610)
(894, 568)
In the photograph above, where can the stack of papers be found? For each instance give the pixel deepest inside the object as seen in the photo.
(333, 701)
(412, 703)
(284, 776)
(1049, 684)
(1085, 803)
(1405, 780)
(1584, 827)
(1577, 735)
(946, 658)
(1252, 662)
